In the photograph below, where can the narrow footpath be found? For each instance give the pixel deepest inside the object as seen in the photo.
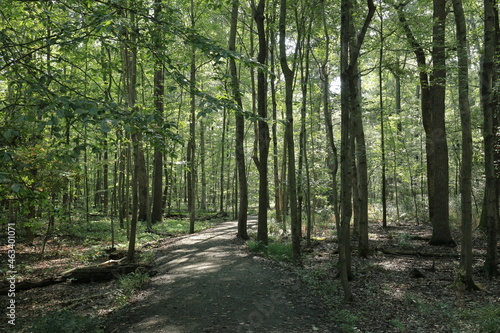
(207, 283)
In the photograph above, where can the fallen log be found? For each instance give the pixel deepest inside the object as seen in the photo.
(103, 272)
(419, 254)
(219, 215)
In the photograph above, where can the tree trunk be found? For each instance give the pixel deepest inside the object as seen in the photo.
(343, 225)
(263, 128)
(130, 80)
(361, 168)
(289, 142)
(466, 168)
(350, 51)
(432, 106)
(203, 199)
(304, 188)
(382, 123)
(490, 205)
(441, 234)
(240, 131)
(105, 176)
(332, 151)
(158, 92)
(223, 160)
(191, 173)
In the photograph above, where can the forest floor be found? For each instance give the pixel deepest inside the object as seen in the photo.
(210, 282)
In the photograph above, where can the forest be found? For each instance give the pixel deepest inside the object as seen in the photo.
(343, 126)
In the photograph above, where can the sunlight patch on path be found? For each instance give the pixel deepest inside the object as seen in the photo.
(206, 283)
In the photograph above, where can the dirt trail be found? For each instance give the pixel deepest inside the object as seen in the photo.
(207, 283)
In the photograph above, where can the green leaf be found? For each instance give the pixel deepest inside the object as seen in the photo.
(16, 187)
(104, 126)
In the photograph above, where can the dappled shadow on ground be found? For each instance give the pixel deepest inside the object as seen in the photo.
(207, 284)
(407, 285)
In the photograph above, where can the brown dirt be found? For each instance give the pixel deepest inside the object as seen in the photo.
(206, 283)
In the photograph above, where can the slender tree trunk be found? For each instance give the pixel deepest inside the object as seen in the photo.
(332, 152)
(466, 168)
(343, 225)
(158, 92)
(382, 123)
(278, 185)
(361, 167)
(191, 174)
(105, 176)
(130, 81)
(289, 142)
(223, 155)
(350, 51)
(203, 199)
(86, 189)
(304, 188)
(240, 130)
(490, 206)
(263, 127)
(121, 184)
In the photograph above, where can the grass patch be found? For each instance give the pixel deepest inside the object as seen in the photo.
(346, 319)
(485, 318)
(128, 284)
(65, 321)
(275, 250)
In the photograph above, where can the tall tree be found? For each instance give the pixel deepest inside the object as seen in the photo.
(159, 91)
(191, 148)
(441, 233)
(332, 159)
(350, 44)
(263, 127)
(466, 168)
(382, 122)
(488, 85)
(240, 129)
(289, 142)
(433, 118)
(130, 77)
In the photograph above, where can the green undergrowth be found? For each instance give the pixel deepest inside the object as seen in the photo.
(95, 237)
(65, 321)
(84, 242)
(484, 318)
(321, 282)
(275, 250)
(128, 284)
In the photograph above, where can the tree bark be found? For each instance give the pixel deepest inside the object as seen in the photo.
(332, 159)
(263, 127)
(466, 167)
(159, 91)
(441, 233)
(350, 51)
(382, 124)
(191, 173)
(432, 107)
(490, 205)
(240, 130)
(289, 142)
(130, 81)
